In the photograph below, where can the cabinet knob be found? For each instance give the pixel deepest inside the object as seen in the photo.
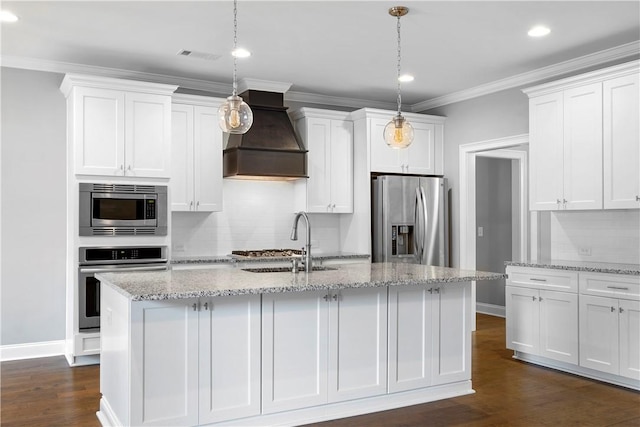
(335, 297)
(637, 198)
(533, 298)
(333, 206)
(539, 298)
(613, 309)
(206, 306)
(430, 290)
(326, 297)
(195, 306)
(436, 290)
(621, 309)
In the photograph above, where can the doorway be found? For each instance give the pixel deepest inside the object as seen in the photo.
(512, 149)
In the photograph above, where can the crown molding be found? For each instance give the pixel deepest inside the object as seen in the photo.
(598, 58)
(248, 83)
(338, 101)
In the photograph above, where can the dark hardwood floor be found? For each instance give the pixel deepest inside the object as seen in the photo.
(46, 392)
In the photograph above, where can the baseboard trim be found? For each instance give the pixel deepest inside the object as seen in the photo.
(491, 309)
(32, 350)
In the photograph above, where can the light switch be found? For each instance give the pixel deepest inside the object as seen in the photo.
(480, 231)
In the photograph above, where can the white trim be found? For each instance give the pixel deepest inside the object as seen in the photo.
(491, 309)
(467, 208)
(32, 350)
(591, 60)
(206, 101)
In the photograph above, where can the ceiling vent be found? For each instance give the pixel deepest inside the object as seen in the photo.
(199, 55)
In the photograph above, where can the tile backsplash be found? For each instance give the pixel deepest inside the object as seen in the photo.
(599, 236)
(256, 215)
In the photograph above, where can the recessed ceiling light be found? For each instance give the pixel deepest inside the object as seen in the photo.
(539, 31)
(6, 16)
(406, 78)
(241, 53)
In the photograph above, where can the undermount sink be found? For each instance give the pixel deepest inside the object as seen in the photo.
(284, 269)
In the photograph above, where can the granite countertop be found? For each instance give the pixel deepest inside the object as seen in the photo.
(229, 259)
(178, 284)
(596, 267)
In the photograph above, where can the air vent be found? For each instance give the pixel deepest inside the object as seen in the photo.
(199, 55)
(124, 188)
(127, 231)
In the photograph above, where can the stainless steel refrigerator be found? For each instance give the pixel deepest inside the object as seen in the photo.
(410, 220)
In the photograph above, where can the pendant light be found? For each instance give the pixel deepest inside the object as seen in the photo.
(398, 133)
(235, 116)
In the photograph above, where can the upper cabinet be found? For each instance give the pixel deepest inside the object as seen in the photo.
(196, 154)
(328, 135)
(423, 157)
(584, 141)
(118, 127)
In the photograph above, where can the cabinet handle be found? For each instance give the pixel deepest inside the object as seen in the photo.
(326, 297)
(333, 206)
(621, 310)
(195, 306)
(335, 297)
(191, 205)
(198, 205)
(534, 279)
(430, 290)
(206, 306)
(436, 290)
(637, 198)
(620, 288)
(613, 309)
(533, 298)
(558, 202)
(539, 298)
(564, 202)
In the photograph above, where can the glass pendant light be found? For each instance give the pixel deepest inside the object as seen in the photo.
(235, 116)
(398, 133)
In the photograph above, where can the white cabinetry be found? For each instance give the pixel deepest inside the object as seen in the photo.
(429, 335)
(570, 122)
(190, 361)
(542, 313)
(196, 152)
(321, 361)
(621, 142)
(610, 324)
(423, 157)
(118, 127)
(328, 135)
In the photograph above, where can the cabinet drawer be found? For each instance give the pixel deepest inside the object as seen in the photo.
(542, 278)
(610, 285)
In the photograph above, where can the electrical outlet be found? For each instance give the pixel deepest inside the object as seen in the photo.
(480, 231)
(178, 248)
(586, 251)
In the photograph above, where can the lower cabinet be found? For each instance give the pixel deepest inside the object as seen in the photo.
(339, 354)
(195, 361)
(419, 354)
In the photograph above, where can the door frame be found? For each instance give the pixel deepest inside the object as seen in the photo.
(499, 148)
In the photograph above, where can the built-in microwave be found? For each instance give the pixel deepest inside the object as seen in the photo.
(122, 209)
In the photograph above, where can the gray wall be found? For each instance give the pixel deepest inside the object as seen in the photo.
(33, 194)
(494, 214)
(492, 116)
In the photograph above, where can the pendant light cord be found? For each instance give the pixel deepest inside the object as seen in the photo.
(235, 43)
(399, 59)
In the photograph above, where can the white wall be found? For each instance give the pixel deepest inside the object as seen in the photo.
(256, 215)
(33, 207)
(610, 236)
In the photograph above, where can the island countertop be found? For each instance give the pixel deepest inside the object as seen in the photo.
(588, 266)
(178, 284)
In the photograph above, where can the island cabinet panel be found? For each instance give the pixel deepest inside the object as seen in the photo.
(429, 335)
(229, 346)
(323, 347)
(164, 390)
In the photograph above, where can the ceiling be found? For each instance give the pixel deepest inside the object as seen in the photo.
(342, 50)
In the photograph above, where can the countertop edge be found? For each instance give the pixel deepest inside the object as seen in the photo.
(585, 268)
(235, 260)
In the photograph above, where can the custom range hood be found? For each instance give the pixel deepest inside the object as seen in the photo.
(270, 150)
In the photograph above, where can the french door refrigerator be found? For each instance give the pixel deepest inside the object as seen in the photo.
(410, 220)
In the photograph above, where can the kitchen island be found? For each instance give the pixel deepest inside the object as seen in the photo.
(236, 347)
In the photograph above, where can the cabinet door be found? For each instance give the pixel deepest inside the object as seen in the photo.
(98, 131)
(318, 139)
(229, 358)
(452, 341)
(147, 135)
(207, 171)
(621, 142)
(383, 158)
(181, 157)
(341, 162)
(419, 157)
(629, 316)
(559, 326)
(357, 344)
(523, 319)
(294, 350)
(545, 150)
(583, 147)
(599, 333)
(410, 337)
(164, 390)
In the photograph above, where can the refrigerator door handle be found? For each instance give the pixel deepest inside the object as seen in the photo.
(423, 226)
(416, 227)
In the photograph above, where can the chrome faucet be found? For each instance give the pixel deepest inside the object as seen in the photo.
(306, 251)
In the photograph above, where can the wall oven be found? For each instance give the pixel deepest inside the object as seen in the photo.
(94, 260)
(122, 209)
